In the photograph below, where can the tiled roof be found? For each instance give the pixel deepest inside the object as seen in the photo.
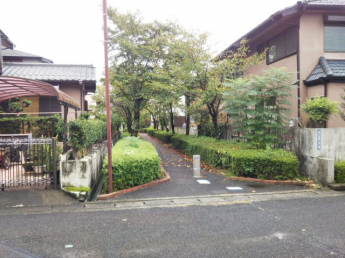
(17, 53)
(299, 7)
(326, 70)
(326, 2)
(50, 72)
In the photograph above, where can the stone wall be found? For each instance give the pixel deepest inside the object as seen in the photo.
(318, 149)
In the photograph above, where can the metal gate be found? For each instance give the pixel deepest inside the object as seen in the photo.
(27, 162)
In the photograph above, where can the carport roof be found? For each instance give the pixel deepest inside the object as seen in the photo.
(12, 87)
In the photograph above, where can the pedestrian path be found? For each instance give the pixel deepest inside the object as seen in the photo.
(182, 183)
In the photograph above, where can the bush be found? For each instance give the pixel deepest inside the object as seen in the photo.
(214, 152)
(135, 162)
(265, 164)
(143, 130)
(240, 158)
(84, 133)
(150, 131)
(163, 136)
(320, 109)
(339, 172)
(125, 134)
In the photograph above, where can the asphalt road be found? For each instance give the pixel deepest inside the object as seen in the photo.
(297, 227)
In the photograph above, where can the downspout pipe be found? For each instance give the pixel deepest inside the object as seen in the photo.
(1, 59)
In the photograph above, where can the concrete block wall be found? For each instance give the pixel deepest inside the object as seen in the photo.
(318, 149)
(85, 171)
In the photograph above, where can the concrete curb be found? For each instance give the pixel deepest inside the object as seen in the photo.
(136, 188)
(274, 182)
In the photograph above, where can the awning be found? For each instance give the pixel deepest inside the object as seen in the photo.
(13, 87)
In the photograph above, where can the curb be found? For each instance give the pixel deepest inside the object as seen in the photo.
(274, 182)
(135, 188)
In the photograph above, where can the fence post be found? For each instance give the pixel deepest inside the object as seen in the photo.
(54, 163)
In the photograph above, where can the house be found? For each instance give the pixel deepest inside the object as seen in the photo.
(308, 39)
(75, 81)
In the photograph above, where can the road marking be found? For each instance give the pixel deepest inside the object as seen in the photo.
(235, 188)
(203, 182)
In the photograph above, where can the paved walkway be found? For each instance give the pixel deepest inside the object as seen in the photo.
(180, 168)
(33, 196)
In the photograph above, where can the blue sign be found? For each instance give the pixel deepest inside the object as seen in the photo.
(318, 139)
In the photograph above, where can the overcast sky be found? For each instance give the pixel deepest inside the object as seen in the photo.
(70, 31)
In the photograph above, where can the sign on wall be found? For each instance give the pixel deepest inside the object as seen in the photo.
(318, 139)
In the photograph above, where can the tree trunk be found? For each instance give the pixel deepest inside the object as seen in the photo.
(188, 115)
(136, 123)
(172, 119)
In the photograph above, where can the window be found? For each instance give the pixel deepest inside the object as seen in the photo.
(334, 31)
(335, 38)
(282, 45)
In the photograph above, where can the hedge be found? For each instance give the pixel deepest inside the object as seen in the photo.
(135, 162)
(240, 158)
(47, 126)
(143, 130)
(85, 133)
(163, 136)
(265, 164)
(150, 131)
(216, 153)
(339, 172)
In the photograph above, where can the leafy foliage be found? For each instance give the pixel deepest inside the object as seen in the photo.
(240, 158)
(320, 109)
(162, 135)
(265, 164)
(339, 172)
(133, 165)
(259, 107)
(46, 126)
(85, 133)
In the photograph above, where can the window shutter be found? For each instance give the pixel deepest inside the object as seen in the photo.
(335, 38)
(291, 40)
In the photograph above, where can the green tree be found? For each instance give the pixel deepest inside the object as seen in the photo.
(259, 107)
(138, 54)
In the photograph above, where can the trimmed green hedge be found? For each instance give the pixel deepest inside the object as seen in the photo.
(85, 133)
(339, 172)
(163, 136)
(135, 162)
(217, 153)
(240, 158)
(143, 130)
(265, 164)
(150, 131)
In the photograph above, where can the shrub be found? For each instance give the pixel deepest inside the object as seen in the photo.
(143, 130)
(135, 162)
(163, 136)
(241, 158)
(339, 172)
(150, 131)
(85, 133)
(265, 164)
(320, 109)
(214, 152)
(125, 134)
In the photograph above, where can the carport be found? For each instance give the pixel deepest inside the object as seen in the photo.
(13, 87)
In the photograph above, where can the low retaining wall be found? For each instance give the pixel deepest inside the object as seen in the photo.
(85, 171)
(318, 149)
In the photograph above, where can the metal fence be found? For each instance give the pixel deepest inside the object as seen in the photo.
(27, 162)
